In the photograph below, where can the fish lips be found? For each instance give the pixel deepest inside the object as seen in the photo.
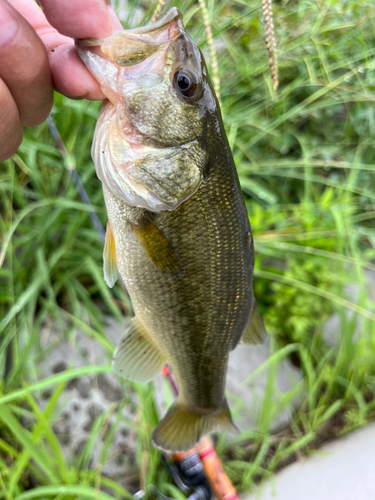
(133, 46)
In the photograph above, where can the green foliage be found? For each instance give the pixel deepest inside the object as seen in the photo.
(306, 163)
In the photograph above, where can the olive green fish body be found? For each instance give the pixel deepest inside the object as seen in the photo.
(178, 231)
(196, 318)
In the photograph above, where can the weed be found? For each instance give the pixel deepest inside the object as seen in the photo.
(305, 158)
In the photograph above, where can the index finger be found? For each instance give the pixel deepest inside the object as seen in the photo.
(77, 19)
(81, 18)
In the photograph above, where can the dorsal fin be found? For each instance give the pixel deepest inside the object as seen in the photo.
(157, 246)
(109, 258)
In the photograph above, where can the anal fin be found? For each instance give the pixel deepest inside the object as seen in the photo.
(255, 332)
(157, 247)
(137, 358)
(109, 258)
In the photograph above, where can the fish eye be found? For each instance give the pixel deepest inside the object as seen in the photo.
(185, 82)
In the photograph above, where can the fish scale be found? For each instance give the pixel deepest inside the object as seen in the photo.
(206, 309)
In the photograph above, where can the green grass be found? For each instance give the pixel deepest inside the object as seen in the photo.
(306, 162)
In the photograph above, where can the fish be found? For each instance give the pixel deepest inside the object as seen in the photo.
(178, 234)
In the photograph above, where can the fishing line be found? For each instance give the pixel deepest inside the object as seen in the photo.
(70, 166)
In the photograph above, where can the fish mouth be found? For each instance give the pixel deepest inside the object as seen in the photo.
(133, 46)
(129, 54)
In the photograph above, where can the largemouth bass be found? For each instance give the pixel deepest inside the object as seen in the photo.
(178, 233)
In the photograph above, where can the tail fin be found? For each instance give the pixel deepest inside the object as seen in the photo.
(183, 426)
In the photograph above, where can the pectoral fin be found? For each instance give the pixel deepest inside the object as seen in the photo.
(136, 357)
(109, 258)
(157, 247)
(255, 332)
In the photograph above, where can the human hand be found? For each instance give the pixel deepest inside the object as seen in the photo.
(37, 56)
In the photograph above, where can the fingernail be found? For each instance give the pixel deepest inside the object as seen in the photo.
(8, 24)
(116, 23)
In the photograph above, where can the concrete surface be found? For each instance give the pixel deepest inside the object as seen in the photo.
(246, 397)
(341, 470)
(89, 400)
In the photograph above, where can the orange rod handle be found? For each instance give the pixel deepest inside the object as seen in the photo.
(220, 483)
